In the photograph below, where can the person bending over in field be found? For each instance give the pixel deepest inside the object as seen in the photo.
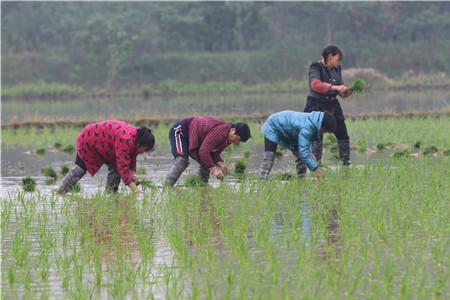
(114, 143)
(203, 138)
(295, 131)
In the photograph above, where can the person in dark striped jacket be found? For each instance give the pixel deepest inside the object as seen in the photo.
(203, 139)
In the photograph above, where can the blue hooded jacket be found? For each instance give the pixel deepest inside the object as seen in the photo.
(295, 131)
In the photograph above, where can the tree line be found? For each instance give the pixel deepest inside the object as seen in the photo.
(107, 43)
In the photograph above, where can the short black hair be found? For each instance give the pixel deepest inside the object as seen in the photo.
(329, 122)
(145, 138)
(242, 130)
(333, 50)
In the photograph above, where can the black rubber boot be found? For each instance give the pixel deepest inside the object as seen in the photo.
(316, 149)
(267, 164)
(74, 175)
(344, 151)
(300, 167)
(179, 165)
(203, 173)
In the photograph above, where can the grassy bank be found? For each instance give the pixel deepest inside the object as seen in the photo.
(41, 90)
(376, 80)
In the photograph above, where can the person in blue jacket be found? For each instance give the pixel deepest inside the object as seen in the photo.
(295, 131)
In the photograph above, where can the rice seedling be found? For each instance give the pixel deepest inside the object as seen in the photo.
(239, 167)
(401, 154)
(334, 149)
(40, 151)
(28, 184)
(361, 146)
(284, 176)
(146, 184)
(358, 86)
(69, 149)
(329, 140)
(429, 150)
(76, 188)
(446, 152)
(194, 181)
(383, 146)
(49, 172)
(57, 145)
(64, 170)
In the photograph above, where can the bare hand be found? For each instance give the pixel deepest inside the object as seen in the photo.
(318, 173)
(132, 186)
(217, 172)
(341, 89)
(222, 165)
(347, 93)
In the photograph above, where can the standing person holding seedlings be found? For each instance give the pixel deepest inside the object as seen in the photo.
(325, 84)
(295, 131)
(203, 138)
(114, 143)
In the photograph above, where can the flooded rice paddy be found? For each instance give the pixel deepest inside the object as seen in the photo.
(378, 229)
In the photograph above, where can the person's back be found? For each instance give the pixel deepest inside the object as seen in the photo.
(294, 131)
(284, 127)
(201, 126)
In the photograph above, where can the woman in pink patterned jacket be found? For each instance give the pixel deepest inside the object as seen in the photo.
(114, 143)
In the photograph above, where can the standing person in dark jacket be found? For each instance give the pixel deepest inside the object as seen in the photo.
(325, 84)
(203, 139)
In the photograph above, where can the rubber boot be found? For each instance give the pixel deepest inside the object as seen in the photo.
(267, 164)
(203, 173)
(344, 151)
(74, 175)
(300, 167)
(316, 149)
(113, 179)
(179, 165)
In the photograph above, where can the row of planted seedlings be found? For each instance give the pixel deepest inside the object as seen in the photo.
(361, 231)
(81, 248)
(379, 230)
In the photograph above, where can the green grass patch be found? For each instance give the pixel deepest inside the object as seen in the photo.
(41, 90)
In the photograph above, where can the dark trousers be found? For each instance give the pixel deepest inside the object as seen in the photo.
(333, 107)
(179, 141)
(113, 179)
(269, 145)
(79, 162)
(300, 166)
(341, 131)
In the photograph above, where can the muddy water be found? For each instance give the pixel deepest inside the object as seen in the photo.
(18, 163)
(77, 109)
